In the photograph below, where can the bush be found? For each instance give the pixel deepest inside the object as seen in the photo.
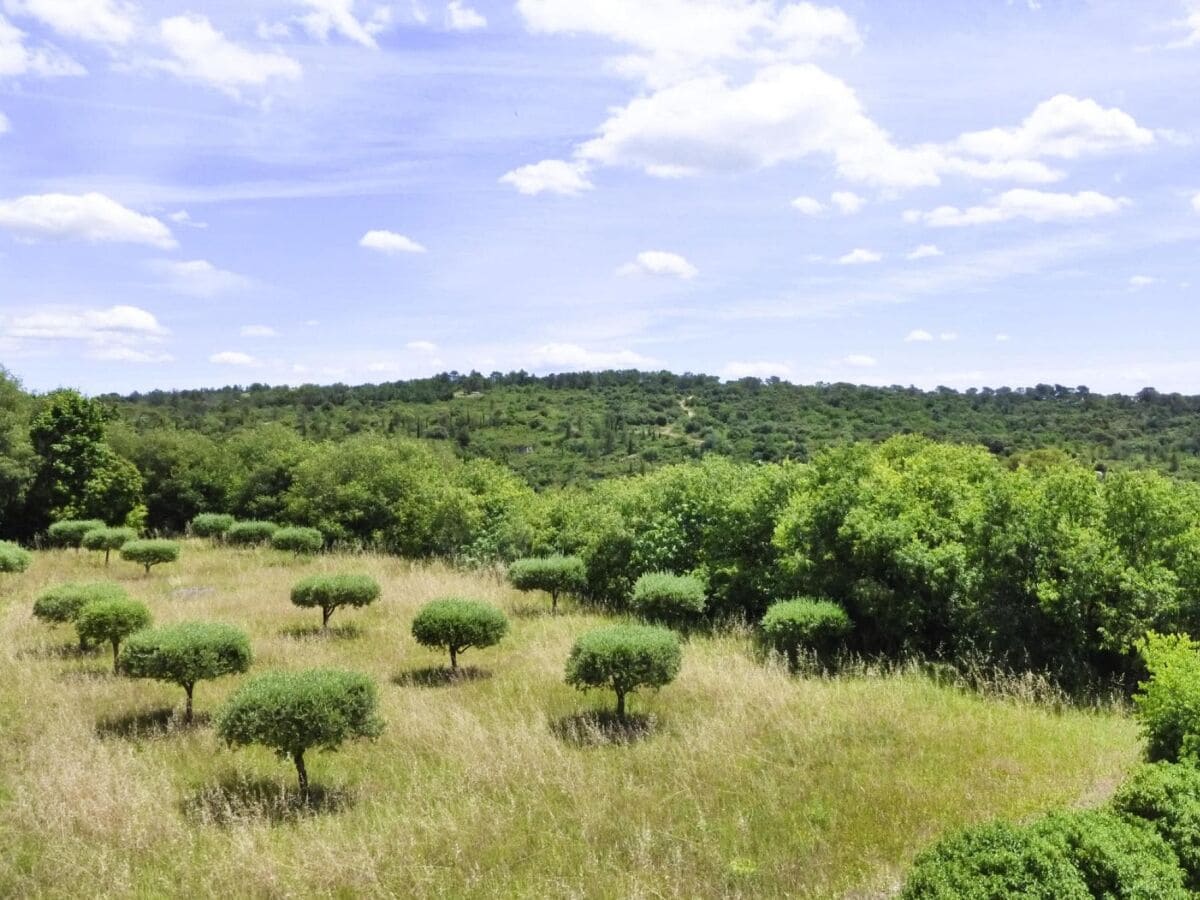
(244, 534)
(816, 625)
(293, 712)
(458, 625)
(185, 653)
(111, 619)
(624, 658)
(1167, 796)
(298, 540)
(70, 532)
(108, 540)
(14, 559)
(150, 553)
(61, 604)
(331, 591)
(1168, 704)
(553, 574)
(671, 599)
(211, 525)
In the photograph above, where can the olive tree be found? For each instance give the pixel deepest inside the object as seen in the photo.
(62, 603)
(624, 658)
(458, 624)
(150, 552)
(108, 540)
(815, 625)
(70, 532)
(298, 540)
(186, 653)
(113, 620)
(294, 712)
(13, 559)
(211, 525)
(670, 599)
(553, 574)
(328, 592)
(249, 533)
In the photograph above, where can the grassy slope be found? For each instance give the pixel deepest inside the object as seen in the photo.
(756, 784)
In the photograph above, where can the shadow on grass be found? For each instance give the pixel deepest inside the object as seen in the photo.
(531, 611)
(315, 632)
(149, 723)
(70, 650)
(440, 676)
(602, 728)
(192, 593)
(237, 798)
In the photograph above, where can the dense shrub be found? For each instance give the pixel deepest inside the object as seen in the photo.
(243, 534)
(328, 592)
(13, 559)
(293, 712)
(553, 574)
(624, 658)
(186, 653)
(458, 624)
(1167, 796)
(70, 532)
(815, 625)
(111, 619)
(150, 552)
(62, 602)
(1168, 704)
(211, 525)
(671, 599)
(108, 540)
(298, 540)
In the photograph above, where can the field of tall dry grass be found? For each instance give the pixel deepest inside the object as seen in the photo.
(752, 782)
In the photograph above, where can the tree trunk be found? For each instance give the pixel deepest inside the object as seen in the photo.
(326, 612)
(187, 708)
(453, 657)
(116, 646)
(793, 657)
(106, 552)
(147, 569)
(621, 705)
(554, 602)
(302, 775)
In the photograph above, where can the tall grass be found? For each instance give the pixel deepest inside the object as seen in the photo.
(752, 783)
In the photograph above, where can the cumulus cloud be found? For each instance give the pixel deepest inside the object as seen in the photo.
(762, 369)
(659, 262)
(258, 331)
(198, 278)
(328, 17)
(389, 242)
(422, 346)
(860, 360)
(859, 256)
(18, 59)
(554, 176)
(918, 335)
(1137, 282)
(572, 357)
(847, 202)
(460, 17)
(235, 358)
(118, 333)
(88, 217)
(101, 21)
(924, 251)
(1024, 203)
(183, 217)
(808, 205)
(203, 54)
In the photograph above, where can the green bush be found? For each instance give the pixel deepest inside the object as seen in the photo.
(458, 624)
(186, 653)
(553, 574)
(111, 619)
(244, 534)
(70, 532)
(624, 658)
(298, 540)
(671, 599)
(108, 540)
(816, 625)
(1168, 704)
(293, 712)
(1167, 796)
(211, 525)
(331, 591)
(62, 602)
(150, 552)
(13, 559)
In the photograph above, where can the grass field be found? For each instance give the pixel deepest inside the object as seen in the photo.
(753, 783)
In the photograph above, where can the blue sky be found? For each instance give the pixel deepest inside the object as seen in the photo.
(890, 192)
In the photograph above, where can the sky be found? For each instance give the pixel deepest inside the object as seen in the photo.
(967, 193)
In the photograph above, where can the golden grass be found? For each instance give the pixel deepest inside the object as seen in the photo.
(752, 784)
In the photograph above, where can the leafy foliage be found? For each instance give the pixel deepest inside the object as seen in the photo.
(1167, 795)
(14, 559)
(211, 525)
(556, 574)
(804, 623)
(250, 532)
(111, 619)
(150, 552)
(1168, 704)
(62, 602)
(70, 532)
(298, 540)
(668, 598)
(329, 592)
(458, 624)
(624, 658)
(108, 539)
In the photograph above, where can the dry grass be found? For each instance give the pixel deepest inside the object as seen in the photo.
(752, 783)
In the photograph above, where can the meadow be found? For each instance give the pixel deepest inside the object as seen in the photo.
(750, 782)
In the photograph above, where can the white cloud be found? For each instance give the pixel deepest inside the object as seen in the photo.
(1002, 338)
(1191, 25)
(203, 54)
(183, 217)
(89, 217)
(808, 205)
(1196, 203)
(422, 346)
(389, 242)
(3, 123)
(199, 278)
(1024, 203)
(924, 251)
(1137, 282)
(103, 21)
(735, 370)
(258, 331)
(659, 262)
(128, 354)
(948, 336)
(859, 256)
(918, 335)
(848, 203)
(17, 59)
(337, 17)
(462, 18)
(860, 360)
(118, 334)
(550, 175)
(572, 357)
(235, 358)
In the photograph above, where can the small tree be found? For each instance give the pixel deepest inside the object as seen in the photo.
(186, 653)
(108, 540)
(13, 559)
(249, 533)
(816, 625)
(671, 599)
(293, 712)
(331, 591)
(458, 624)
(70, 532)
(211, 525)
(624, 658)
(62, 603)
(298, 540)
(150, 552)
(553, 574)
(111, 620)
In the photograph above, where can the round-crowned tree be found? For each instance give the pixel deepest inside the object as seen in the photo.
(14, 559)
(458, 624)
(553, 574)
(186, 653)
(108, 540)
(250, 533)
(150, 552)
(803, 623)
(70, 532)
(671, 599)
(624, 658)
(328, 592)
(298, 540)
(62, 603)
(294, 712)
(113, 620)
(211, 525)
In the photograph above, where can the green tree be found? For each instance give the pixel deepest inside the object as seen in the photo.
(67, 436)
(555, 575)
(108, 540)
(329, 592)
(624, 658)
(151, 552)
(457, 624)
(803, 623)
(111, 619)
